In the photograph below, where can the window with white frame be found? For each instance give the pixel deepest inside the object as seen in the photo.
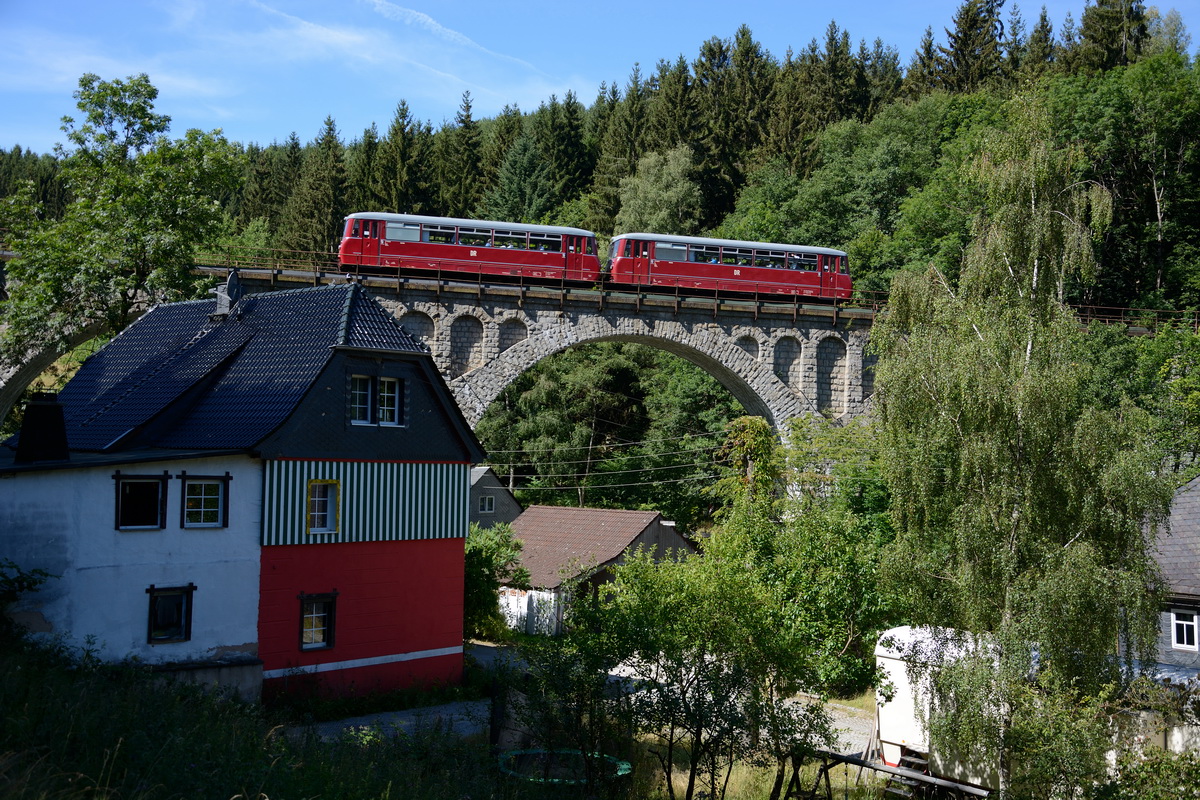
(170, 614)
(1183, 627)
(205, 501)
(316, 620)
(141, 502)
(487, 504)
(322, 506)
(376, 401)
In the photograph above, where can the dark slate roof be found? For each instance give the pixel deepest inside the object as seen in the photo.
(557, 539)
(1179, 551)
(222, 383)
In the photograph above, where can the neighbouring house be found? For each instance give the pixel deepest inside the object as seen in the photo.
(1179, 559)
(491, 501)
(560, 543)
(268, 490)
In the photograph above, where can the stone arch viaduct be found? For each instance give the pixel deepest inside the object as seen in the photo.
(779, 359)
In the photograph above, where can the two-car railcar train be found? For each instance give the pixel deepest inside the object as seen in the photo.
(383, 243)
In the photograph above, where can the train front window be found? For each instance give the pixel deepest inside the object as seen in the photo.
(354, 227)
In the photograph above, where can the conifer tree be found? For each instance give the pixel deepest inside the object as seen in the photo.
(672, 112)
(973, 55)
(792, 129)
(523, 191)
(881, 67)
(502, 134)
(926, 70)
(312, 220)
(1112, 34)
(362, 172)
(461, 179)
(404, 170)
(619, 154)
(1040, 49)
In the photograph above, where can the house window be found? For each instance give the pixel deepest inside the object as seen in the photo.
(1183, 625)
(141, 501)
(322, 506)
(316, 620)
(487, 504)
(205, 502)
(376, 401)
(170, 614)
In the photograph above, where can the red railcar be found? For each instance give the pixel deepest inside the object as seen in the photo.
(693, 262)
(376, 242)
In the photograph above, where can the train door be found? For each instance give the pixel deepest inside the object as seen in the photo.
(639, 261)
(574, 250)
(828, 270)
(372, 230)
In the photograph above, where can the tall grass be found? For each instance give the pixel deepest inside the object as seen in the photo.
(72, 728)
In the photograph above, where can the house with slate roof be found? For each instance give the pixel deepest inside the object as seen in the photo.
(559, 544)
(1179, 559)
(266, 490)
(491, 501)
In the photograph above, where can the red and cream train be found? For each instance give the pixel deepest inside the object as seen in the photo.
(382, 243)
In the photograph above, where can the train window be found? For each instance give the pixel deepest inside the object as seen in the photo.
(841, 264)
(705, 253)
(591, 246)
(354, 228)
(403, 231)
(806, 261)
(737, 256)
(769, 258)
(621, 247)
(511, 239)
(439, 234)
(641, 249)
(550, 242)
(670, 252)
(475, 237)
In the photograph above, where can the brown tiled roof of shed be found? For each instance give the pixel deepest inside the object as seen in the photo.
(557, 537)
(1179, 552)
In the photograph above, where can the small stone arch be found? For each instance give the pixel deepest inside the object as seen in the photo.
(831, 375)
(419, 325)
(466, 344)
(788, 354)
(512, 331)
(750, 345)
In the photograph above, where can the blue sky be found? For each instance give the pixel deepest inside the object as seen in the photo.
(260, 69)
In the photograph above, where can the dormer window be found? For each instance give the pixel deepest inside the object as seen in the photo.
(376, 401)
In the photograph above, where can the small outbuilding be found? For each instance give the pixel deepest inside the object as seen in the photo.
(561, 543)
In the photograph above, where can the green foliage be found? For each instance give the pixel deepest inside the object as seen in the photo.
(141, 204)
(1020, 507)
(611, 425)
(663, 196)
(523, 192)
(1153, 774)
(492, 560)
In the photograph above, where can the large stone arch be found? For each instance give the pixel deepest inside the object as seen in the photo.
(15, 379)
(752, 382)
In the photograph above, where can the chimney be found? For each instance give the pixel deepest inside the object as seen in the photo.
(43, 430)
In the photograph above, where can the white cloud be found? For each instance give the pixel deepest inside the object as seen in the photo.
(419, 19)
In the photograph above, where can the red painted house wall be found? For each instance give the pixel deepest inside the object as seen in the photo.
(394, 598)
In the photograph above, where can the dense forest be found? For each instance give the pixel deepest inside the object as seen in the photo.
(838, 144)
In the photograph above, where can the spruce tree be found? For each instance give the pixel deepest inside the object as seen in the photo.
(926, 70)
(461, 165)
(1040, 49)
(672, 114)
(1112, 34)
(523, 191)
(362, 172)
(973, 57)
(405, 183)
(313, 216)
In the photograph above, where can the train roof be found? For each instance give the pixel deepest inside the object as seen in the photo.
(470, 223)
(790, 248)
